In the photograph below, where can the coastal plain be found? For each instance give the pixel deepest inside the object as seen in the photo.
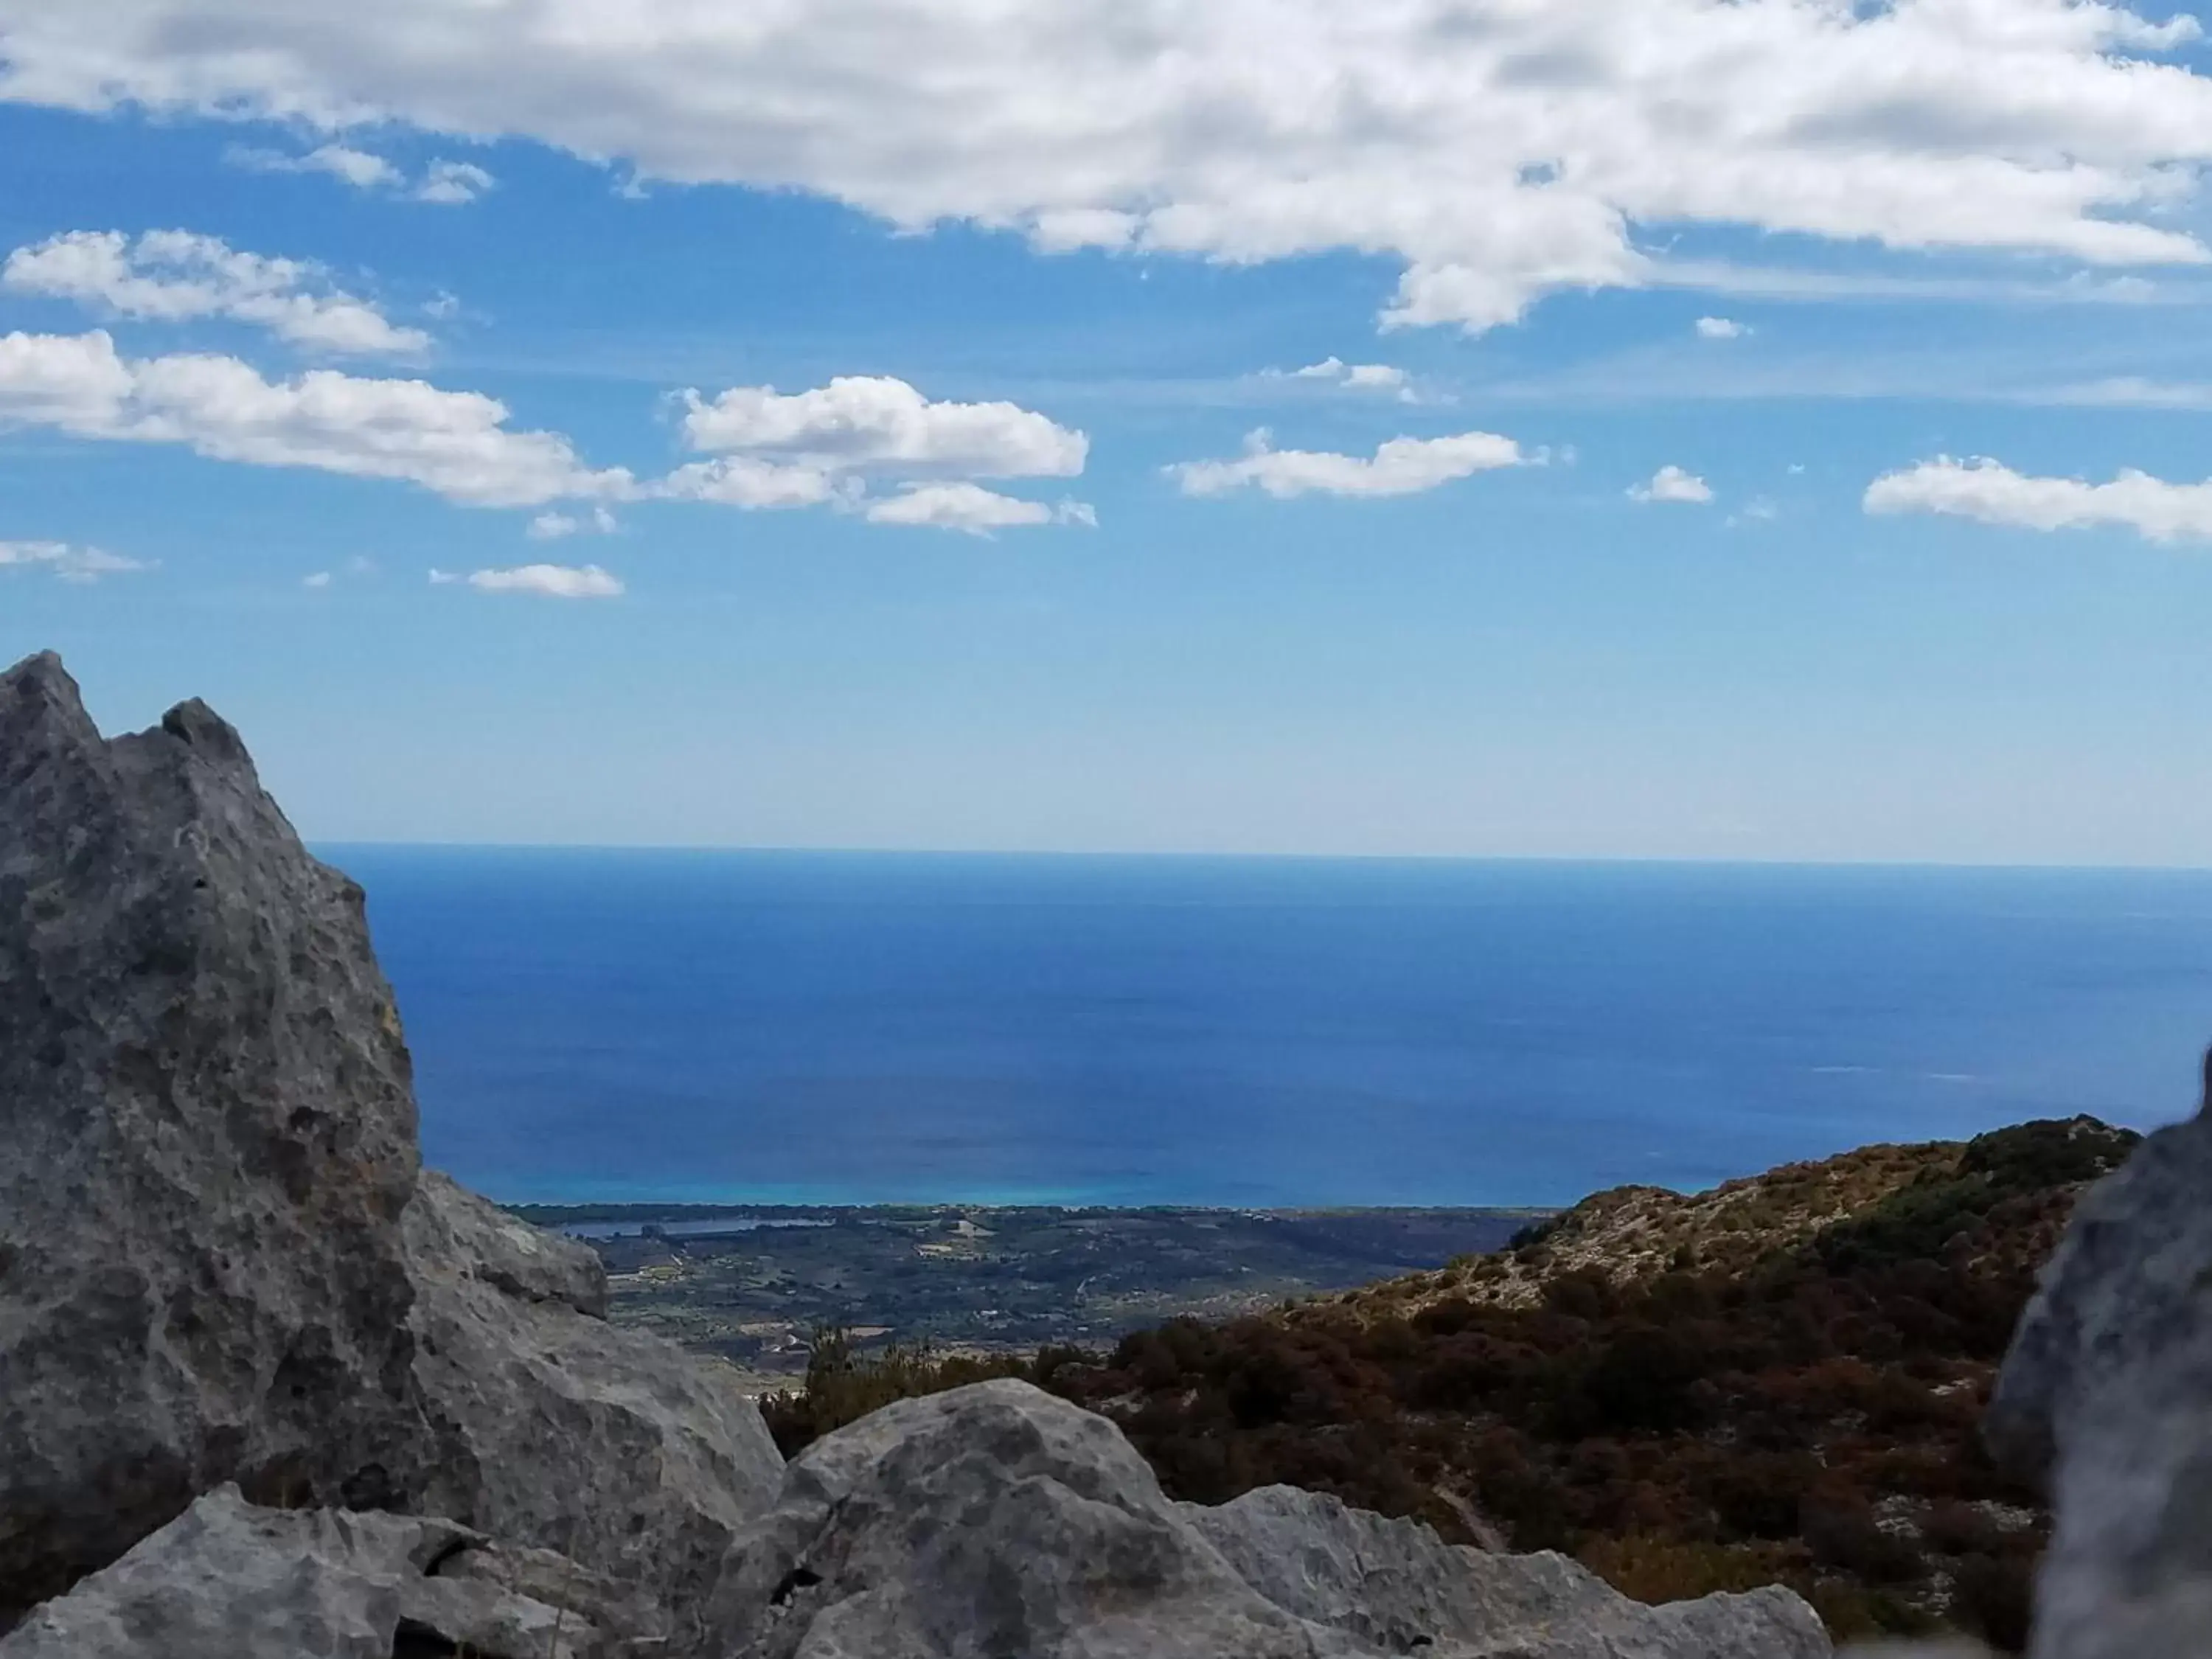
(754, 1284)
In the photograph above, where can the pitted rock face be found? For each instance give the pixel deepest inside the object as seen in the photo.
(206, 1138)
(219, 1258)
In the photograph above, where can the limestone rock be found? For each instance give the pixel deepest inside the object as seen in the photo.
(1400, 1589)
(228, 1580)
(553, 1428)
(219, 1260)
(453, 1234)
(2107, 1393)
(996, 1519)
(207, 1136)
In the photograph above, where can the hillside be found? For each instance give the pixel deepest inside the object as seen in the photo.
(1778, 1381)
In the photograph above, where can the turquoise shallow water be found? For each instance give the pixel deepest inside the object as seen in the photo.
(864, 1028)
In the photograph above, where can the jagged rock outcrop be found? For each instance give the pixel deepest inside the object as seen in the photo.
(219, 1259)
(229, 1580)
(207, 1139)
(2107, 1394)
(997, 1519)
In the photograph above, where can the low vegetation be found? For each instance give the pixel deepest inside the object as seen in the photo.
(1778, 1381)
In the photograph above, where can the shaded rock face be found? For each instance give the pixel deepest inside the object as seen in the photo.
(219, 1259)
(997, 1519)
(547, 1425)
(206, 1138)
(2107, 1394)
(228, 1580)
(1398, 1588)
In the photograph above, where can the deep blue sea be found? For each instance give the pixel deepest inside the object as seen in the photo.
(866, 1027)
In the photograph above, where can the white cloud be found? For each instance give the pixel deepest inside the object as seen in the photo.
(741, 480)
(455, 443)
(443, 184)
(1671, 483)
(356, 167)
(169, 276)
(554, 581)
(453, 184)
(1399, 466)
(1497, 154)
(320, 578)
(68, 561)
(553, 526)
(1365, 377)
(1721, 328)
(877, 421)
(971, 508)
(1994, 494)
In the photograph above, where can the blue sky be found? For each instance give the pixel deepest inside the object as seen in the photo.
(1777, 429)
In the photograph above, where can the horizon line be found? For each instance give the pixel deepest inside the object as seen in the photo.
(1197, 855)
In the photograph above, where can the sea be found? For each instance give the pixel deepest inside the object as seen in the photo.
(815, 1028)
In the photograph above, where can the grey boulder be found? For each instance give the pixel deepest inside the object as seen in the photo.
(998, 1520)
(2107, 1394)
(206, 1138)
(219, 1258)
(1400, 1589)
(229, 1580)
(550, 1426)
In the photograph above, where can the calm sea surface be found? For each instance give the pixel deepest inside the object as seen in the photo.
(865, 1027)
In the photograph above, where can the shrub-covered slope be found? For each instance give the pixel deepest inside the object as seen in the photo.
(1777, 1380)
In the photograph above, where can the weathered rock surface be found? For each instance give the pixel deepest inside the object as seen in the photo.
(1400, 1589)
(2107, 1393)
(997, 1519)
(228, 1580)
(206, 1138)
(553, 1428)
(219, 1260)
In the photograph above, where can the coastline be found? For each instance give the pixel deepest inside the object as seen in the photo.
(754, 1283)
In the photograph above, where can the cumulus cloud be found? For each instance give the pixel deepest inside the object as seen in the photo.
(553, 582)
(457, 444)
(822, 448)
(170, 276)
(971, 508)
(1993, 493)
(1399, 466)
(66, 560)
(1673, 484)
(880, 421)
(1497, 156)
(1721, 328)
(443, 184)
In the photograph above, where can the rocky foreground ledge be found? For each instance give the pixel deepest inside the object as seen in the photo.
(270, 1390)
